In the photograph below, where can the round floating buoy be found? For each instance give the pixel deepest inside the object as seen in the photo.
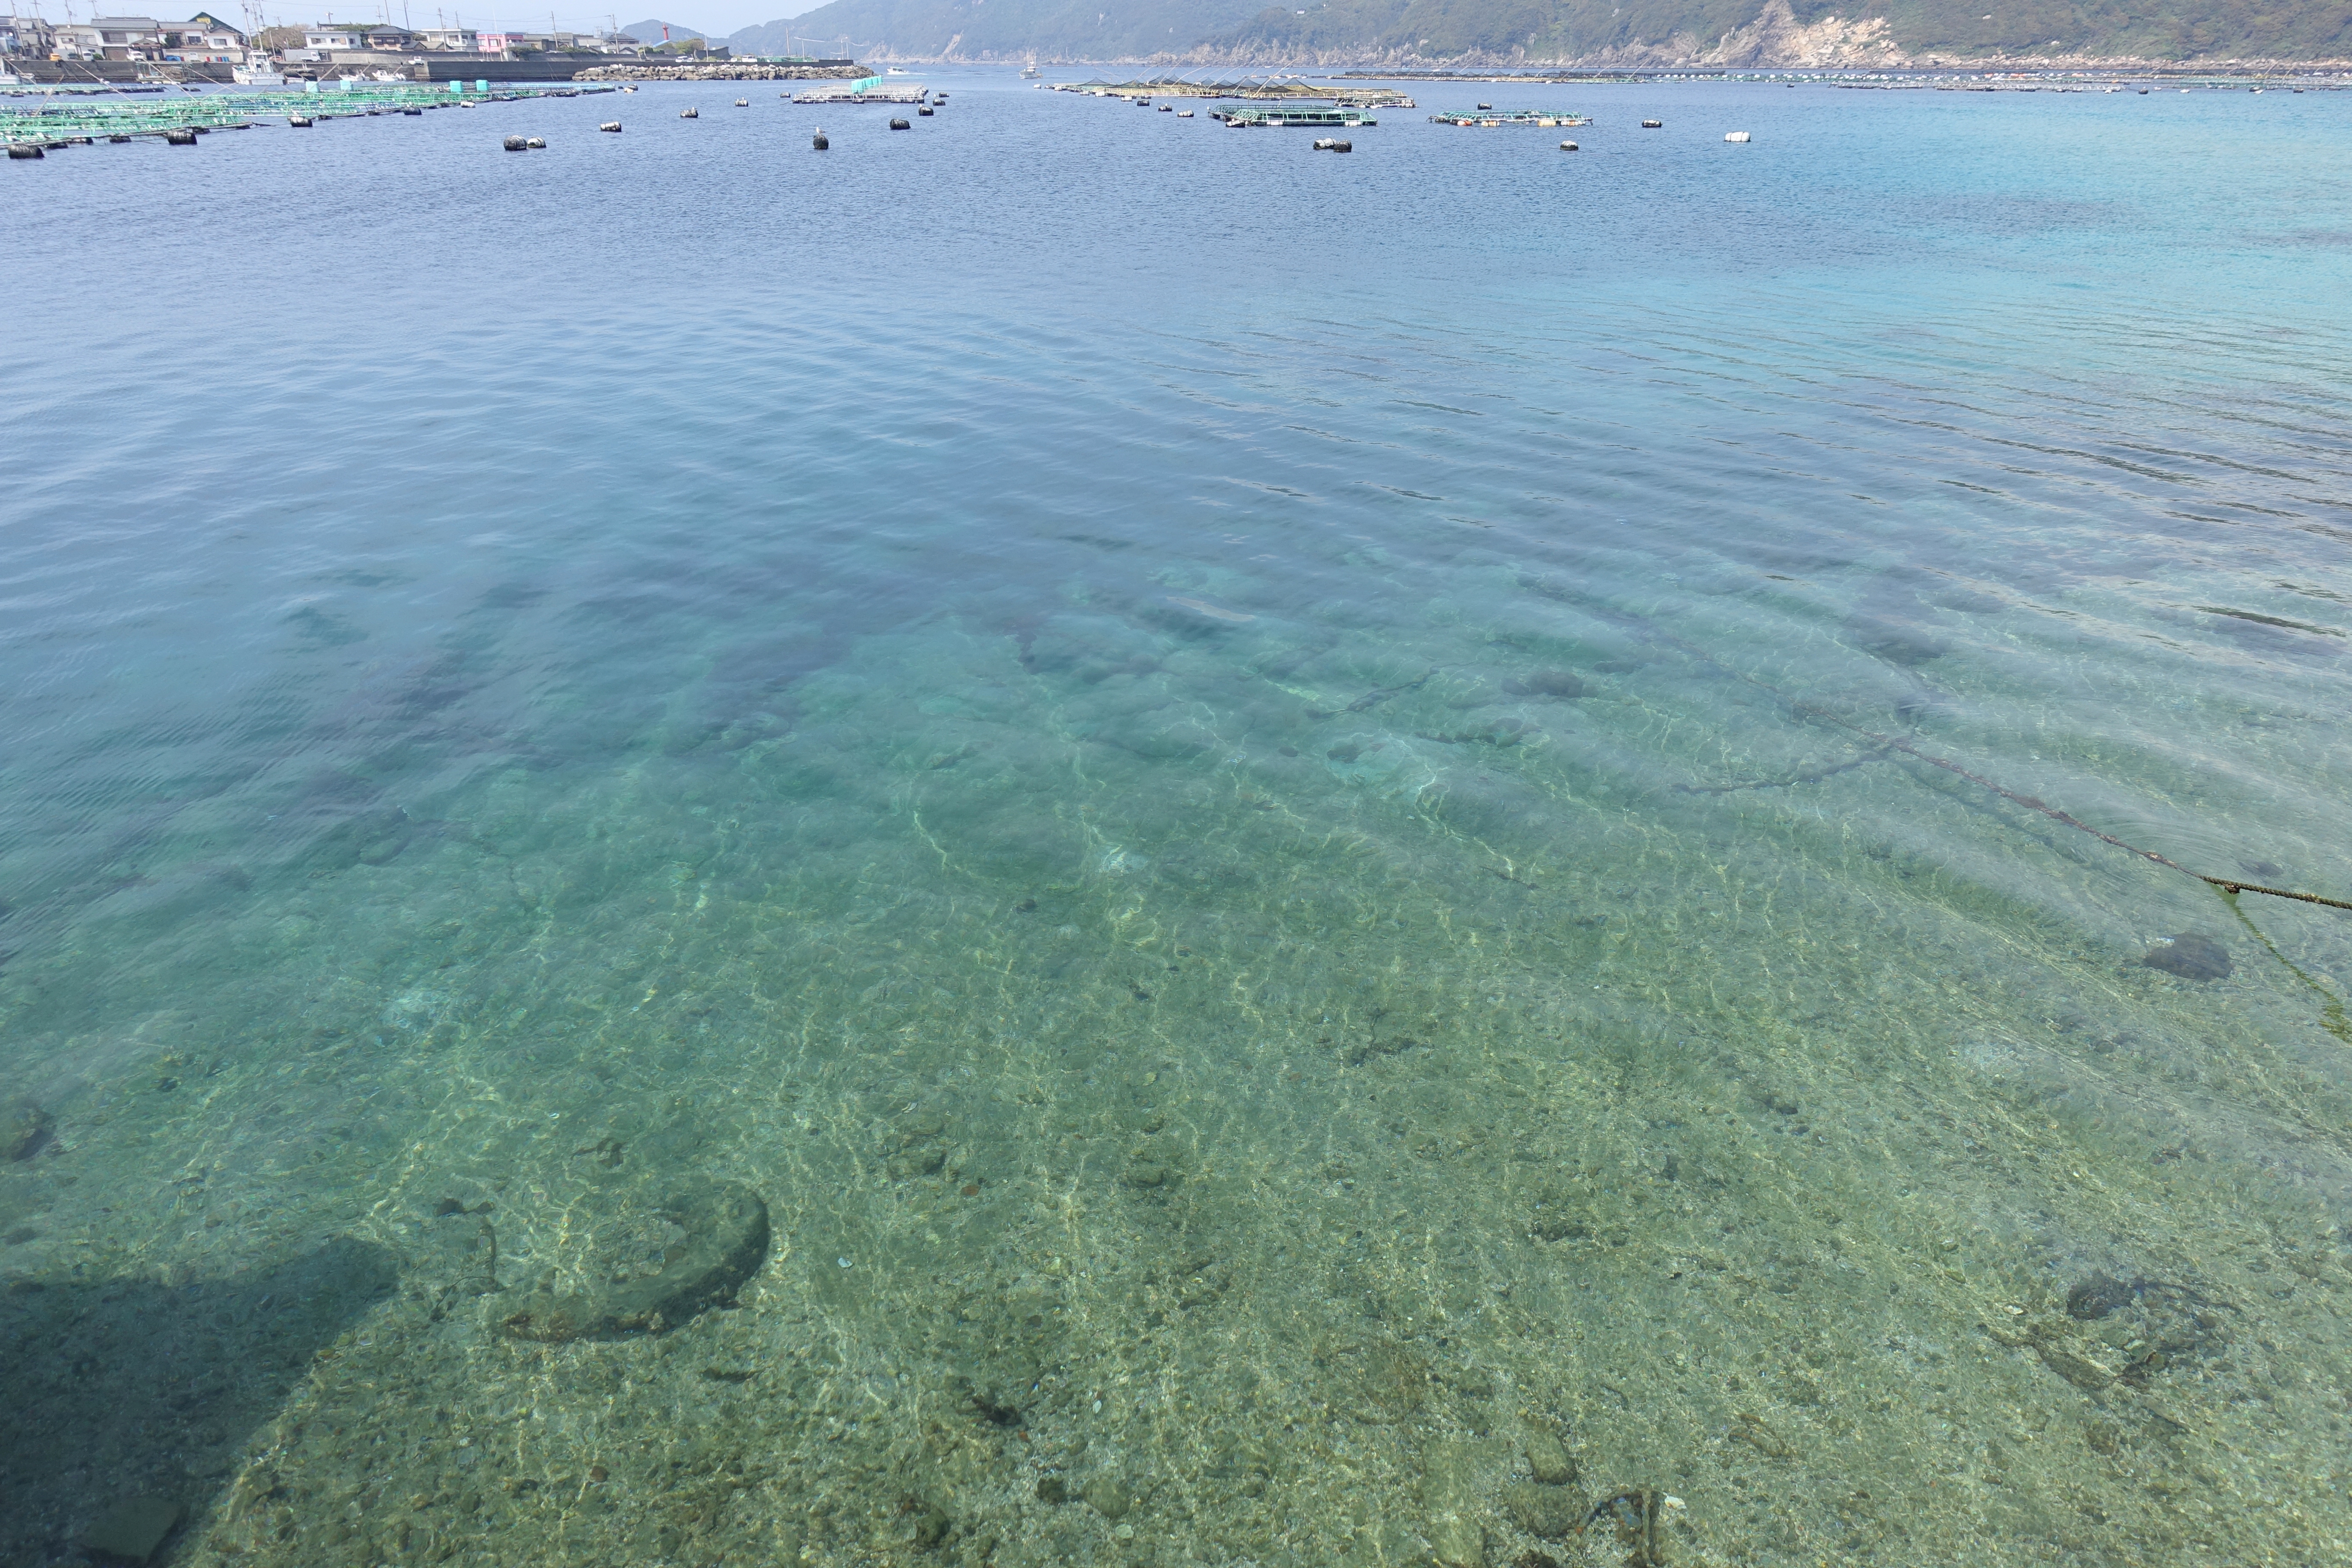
(536, 142)
(1183, 114)
(117, 136)
(742, 103)
(1735, 136)
(516, 145)
(183, 137)
(25, 150)
(1651, 124)
(1485, 106)
(1343, 146)
(299, 121)
(1568, 146)
(1167, 109)
(902, 125)
(926, 109)
(418, 112)
(610, 125)
(1323, 144)
(820, 143)
(689, 114)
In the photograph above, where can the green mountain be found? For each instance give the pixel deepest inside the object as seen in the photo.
(1598, 33)
(1013, 29)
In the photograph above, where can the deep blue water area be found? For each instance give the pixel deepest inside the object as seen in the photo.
(1361, 849)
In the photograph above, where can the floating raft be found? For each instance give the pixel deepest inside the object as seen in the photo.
(1277, 88)
(57, 122)
(1301, 114)
(870, 89)
(1546, 117)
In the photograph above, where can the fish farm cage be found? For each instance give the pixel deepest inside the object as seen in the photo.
(1298, 114)
(61, 121)
(1511, 117)
(1269, 88)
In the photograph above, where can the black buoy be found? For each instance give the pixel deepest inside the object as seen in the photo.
(902, 125)
(1651, 124)
(742, 103)
(820, 143)
(1568, 146)
(418, 111)
(925, 111)
(1485, 106)
(25, 150)
(516, 145)
(183, 137)
(117, 136)
(610, 125)
(1343, 146)
(299, 121)
(689, 114)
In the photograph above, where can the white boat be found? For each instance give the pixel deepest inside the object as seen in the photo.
(894, 70)
(257, 76)
(1030, 71)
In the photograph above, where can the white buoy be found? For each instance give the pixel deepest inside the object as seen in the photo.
(1735, 136)
(1568, 146)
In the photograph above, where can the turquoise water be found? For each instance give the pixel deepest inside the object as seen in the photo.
(1282, 808)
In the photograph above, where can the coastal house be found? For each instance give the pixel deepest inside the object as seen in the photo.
(28, 35)
(456, 40)
(325, 41)
(357, 36)
(120, 38)
(204, 37)
(77, 41)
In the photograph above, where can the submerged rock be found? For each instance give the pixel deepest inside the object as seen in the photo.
(1554, 1513)
(1549, 1461)
(132, 1530)
(1546, 683)
(727, 1242)
(2191, 955)
(1110, 1497)
(24, 1128)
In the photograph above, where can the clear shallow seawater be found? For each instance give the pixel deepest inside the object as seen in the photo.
(1239, 783)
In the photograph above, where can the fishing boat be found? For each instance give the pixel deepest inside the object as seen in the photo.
(1030, 71)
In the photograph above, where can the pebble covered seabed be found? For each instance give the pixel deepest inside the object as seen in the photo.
(1184, 1065)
